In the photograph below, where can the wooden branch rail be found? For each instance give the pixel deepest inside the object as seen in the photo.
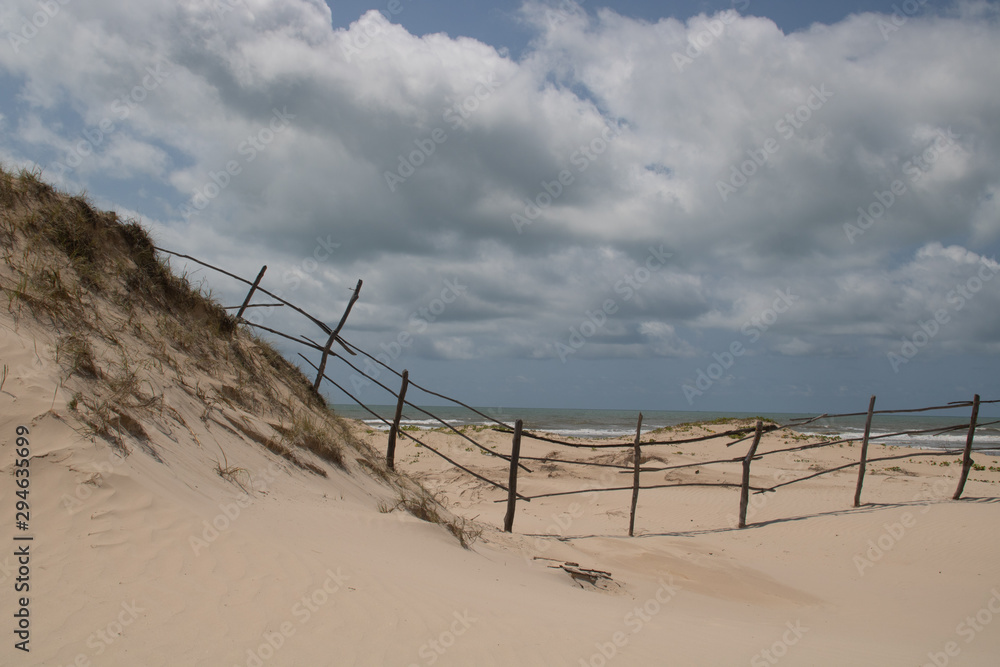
(485, 450)
(621, 469)
(465, 436)
(428, 391)
(415, 439)
(322, 325)
(349, 394)
(459, 465)
(255, 305)
(645, 487)
(946, 452)
(621, 445)
(284, 335)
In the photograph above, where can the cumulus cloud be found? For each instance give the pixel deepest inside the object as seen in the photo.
(855, 167)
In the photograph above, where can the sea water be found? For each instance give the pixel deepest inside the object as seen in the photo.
(582, 423)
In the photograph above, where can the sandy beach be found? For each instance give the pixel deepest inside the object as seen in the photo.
(162, 562)
(189, 500)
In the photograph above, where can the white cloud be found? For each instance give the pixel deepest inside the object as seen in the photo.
(839, 112)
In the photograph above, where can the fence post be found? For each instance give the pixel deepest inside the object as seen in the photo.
(967, 457)
(515, 454)
(333, 336)
(635, 476)
(253, 288)
(745, 491)
(864, 453)
(390, 452)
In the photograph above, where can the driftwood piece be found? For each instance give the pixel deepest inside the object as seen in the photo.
(578, 573)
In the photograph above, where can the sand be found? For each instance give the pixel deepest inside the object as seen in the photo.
(154, 559)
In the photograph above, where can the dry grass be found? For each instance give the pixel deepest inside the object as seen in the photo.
(423, 505)
(320, 438)
(126, 320)
(238, 476)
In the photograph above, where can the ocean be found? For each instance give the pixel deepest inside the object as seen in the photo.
(621, 423)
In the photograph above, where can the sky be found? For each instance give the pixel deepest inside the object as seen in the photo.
(721, 206)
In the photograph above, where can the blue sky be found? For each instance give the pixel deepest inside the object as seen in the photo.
(499, 24)
(749, 206)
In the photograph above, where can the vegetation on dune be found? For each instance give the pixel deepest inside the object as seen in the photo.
(127, 325)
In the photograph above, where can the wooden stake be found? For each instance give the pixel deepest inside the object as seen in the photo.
(333, 336)
(515, 454)
(390, 452)
(253, 288)
(637, 453)
(745, 491)
(967, 457)
(864, 453)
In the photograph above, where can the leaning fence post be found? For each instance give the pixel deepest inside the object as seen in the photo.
(864, 453)
(635, 476)
(253, 288)
(515, 454)
(333, 336)
(745, 491)
(390, 452)
(967, 456)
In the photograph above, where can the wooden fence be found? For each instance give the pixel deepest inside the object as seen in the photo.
(635, 446)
